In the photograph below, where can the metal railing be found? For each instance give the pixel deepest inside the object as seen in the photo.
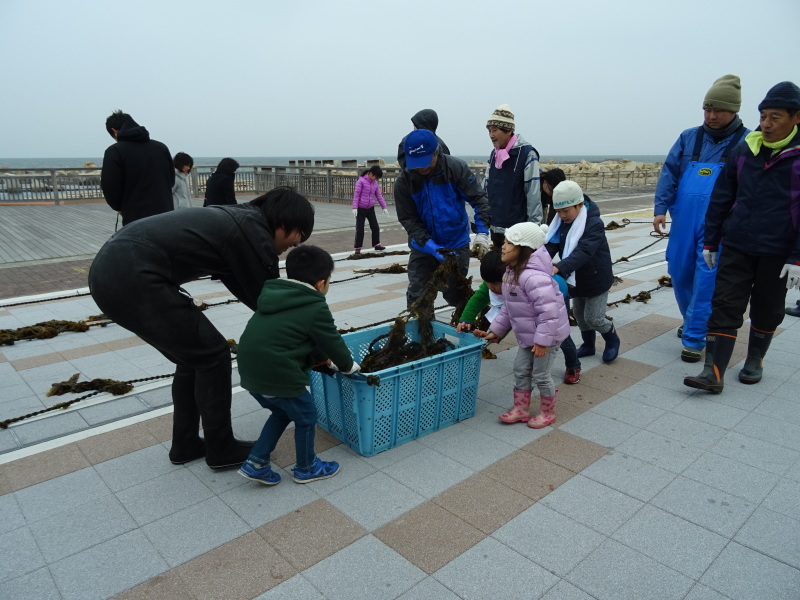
(320, 183)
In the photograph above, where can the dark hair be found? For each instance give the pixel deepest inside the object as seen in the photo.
(553, 176)
(116, 121)
(492, 267)
(182, 160)
(284, 208)
(375, 170)
(228, 164)
(522, 261)
(309, 264)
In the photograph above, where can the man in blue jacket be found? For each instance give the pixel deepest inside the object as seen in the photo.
(756, 204)
(684, 188)
(429, 197)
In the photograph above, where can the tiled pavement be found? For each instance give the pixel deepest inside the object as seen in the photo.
(644, 489)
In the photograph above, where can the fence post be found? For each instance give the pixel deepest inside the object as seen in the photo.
(55, 187)
(328, 186)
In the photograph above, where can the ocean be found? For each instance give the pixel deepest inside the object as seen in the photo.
(209, 161)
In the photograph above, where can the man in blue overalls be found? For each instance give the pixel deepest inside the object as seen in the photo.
(684, 188)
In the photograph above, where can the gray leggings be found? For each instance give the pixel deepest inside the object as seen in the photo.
(528, 370)
(590, 313)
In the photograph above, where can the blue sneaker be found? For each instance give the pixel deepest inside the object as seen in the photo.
(319, 470)
(263, 475)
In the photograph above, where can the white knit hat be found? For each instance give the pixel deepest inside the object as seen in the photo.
(502, 118)
(527, 234)
(567, 193)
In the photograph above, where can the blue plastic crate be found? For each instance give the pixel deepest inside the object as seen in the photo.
(412, 400)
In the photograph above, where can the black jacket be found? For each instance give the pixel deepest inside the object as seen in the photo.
(219, 188)
(591, 258)
(137, 175)
(424, 119)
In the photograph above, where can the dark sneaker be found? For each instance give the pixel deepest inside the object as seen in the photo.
(690, 355)
(263, 475)
(572, 376)
(380, 248)
(680, 332)
(319, 470)
(357, 251)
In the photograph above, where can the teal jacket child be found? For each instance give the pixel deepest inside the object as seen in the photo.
(291, 331)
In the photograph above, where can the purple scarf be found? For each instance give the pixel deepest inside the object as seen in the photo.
(501, 154)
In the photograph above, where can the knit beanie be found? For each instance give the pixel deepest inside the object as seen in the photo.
(567, 193)
(502, 118)
(527, 234)
(725, 94)
(782, 95)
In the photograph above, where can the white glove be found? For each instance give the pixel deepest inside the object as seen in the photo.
(481, 244)
(354, 368)
(355, 212)
(711, 258)
(386, 211)
(792, 274)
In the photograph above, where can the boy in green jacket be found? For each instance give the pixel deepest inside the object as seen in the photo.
(279, 346)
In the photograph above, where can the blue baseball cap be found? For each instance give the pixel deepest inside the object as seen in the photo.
(419, 147)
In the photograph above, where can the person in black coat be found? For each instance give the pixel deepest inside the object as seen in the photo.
(424, 119)
(137, 174)
(135, 279)
(219, 187)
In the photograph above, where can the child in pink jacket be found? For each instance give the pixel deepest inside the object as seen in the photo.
(367, 189)
(534, 308)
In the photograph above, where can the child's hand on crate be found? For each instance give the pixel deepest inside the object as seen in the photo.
(488, 336)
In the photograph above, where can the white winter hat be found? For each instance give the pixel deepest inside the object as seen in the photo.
(567, 193)
(527, 234)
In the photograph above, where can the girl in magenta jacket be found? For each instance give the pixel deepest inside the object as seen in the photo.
(534, 308)
(367, 189)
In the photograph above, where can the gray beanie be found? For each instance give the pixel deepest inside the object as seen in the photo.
(725, 94)
(782, 95)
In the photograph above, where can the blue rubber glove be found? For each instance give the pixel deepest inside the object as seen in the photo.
(430, 247)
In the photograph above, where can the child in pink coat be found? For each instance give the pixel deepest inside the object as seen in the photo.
(367, 189)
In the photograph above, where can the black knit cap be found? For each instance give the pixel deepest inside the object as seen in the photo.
(782, 95)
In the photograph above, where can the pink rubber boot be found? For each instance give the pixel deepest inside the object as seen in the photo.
(521, 410)
(547, 415)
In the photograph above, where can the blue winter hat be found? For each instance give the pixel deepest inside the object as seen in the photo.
(420, 146)
(782, 95)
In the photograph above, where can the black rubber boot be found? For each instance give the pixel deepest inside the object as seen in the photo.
(757, 348)
(587, 347)
(719, 348)
(187, 445)
(612, 345)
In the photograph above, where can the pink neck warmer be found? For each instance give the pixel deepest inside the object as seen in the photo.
(501, 154)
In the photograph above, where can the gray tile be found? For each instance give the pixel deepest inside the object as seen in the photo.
(656, 358)
(428, 589)
(628, 411)
(7, 441)
(195, 530)
(701, 408)
(471, 448)
(396, 454)
(771, 430)
(599, 429)
(20, 554)
(780, 408)
(746, 399)
(687, 431)
(108, 568)
(296, 588)
(593, 504)
(783, 499)
(157, 398)
(773, 534)
(135, 468)
(10, 514)
(665, 379)
(218, 481)
(81, 527)
(13, 392)
(705, 506)
(352, 467)
(654, 395)
(428, 472)
(732, 476)
(616, 572)
(60, 494)
(112, 410)
(375, 500)
(763, 578)
(701, 592)
(756, 453)
(258, 504)
(38, 585)
(376, 572)
(629, 475)
(660, 451)
(672, 541)
(564, 590)
(483, 572)
(550, 539)
(53, 426)
(162, 496)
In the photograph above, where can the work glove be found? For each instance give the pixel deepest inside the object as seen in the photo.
(792, 274)
(430, 247)
(353, 369)
(386, 211)
(710, 256)
(355, 212)
(481, 244)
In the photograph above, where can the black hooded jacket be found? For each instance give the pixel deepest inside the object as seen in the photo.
(424, 119)
(137, 175)
(219, 188)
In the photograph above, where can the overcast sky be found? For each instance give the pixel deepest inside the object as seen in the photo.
(339, 78)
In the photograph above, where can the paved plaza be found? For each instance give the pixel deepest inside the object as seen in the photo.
(643, 489)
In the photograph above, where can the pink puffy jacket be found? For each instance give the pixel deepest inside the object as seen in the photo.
(533, 307)
(365, 190)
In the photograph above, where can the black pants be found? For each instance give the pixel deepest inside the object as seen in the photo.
(742, 278)
(369, 215)
(421, 266)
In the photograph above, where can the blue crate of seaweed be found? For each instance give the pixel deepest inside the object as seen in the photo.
(412, 400)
